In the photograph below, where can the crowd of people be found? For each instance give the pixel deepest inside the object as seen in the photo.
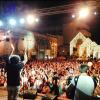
(49, 76)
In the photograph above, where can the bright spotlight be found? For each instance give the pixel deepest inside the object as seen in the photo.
(37, 20)
(22, 21)
(1, 23)
(73, 16)
(95, 13)
(83, 13)
(30, 19)
(12, 22)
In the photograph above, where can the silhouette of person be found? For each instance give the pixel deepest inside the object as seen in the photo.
(13, 68)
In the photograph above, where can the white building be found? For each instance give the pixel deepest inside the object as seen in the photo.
(83, 47)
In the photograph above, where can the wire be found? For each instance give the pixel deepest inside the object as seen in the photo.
(64, 8)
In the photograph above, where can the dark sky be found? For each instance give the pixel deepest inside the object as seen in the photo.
(49, 23)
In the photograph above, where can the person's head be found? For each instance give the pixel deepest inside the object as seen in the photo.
(14, 59)
(46, 98)
(83, 68)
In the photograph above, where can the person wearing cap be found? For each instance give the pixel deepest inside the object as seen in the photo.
(13, 68)
(85, 84)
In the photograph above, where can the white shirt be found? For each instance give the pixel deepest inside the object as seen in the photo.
(85, 84)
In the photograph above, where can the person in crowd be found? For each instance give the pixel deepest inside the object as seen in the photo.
(46, 88)
(13, 69)
(85, 84)
(54, 72)
(55, 88)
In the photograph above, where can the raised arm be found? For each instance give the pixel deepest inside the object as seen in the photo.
(7, 58)
(25, 57)
(12, 46)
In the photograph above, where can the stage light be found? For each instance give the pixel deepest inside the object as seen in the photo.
(83, 13)
(30, 19)
(95, 13)
(12, 22)
(22, 20)
(37, 20)
(1, 23)
(73, 16)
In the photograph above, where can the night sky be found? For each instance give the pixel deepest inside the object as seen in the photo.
(50, 23)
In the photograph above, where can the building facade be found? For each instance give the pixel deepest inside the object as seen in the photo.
(83, 47)
(38, 46)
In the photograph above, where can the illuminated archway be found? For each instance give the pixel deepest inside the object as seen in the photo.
(76, 42)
